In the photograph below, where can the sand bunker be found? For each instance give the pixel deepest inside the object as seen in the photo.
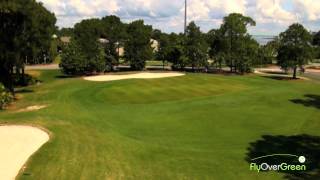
(143, 75)
(33, 108)
(17, 144)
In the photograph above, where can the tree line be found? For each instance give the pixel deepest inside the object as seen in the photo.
(228, 46)
(27, 29)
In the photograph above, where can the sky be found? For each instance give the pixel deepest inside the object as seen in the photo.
(272, 16)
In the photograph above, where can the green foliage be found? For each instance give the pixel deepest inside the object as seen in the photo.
(87, 33)
(92, 55)
(24, 80)
(316, 39)
(171, 49)
(234, 44)
(316, 44)
(295, 48)
(114, 31)
(65, 32)
(97, 63)
(195, 46)
(26, 29)
(5, 97)
(138, 47)
(217, 47)
(73, 62)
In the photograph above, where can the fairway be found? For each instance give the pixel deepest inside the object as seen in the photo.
(197, 126)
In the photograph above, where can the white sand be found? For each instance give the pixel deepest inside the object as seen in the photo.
(17, 144)
(143, 75)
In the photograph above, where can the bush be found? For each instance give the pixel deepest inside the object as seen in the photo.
(74, 61)
(5, 97)
(24, 80)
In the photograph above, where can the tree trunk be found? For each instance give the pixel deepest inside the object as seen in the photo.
(295, 72)
(163, 61)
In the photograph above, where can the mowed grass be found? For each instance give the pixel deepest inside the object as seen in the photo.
(193, 127)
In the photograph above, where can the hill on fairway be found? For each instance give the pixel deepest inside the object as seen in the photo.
(196, 126)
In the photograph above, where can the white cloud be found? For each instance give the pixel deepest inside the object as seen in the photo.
(308, 9)
(272, 16)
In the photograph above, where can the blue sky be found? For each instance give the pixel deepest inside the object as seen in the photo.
(272, 16)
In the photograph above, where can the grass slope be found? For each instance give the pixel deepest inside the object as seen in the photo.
(193, 127)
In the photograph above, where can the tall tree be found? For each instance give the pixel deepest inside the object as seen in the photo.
(295, 48)
(234, 30)
(138, 47)
(316, 44)
(87, 34)
(73, 61)
(163, 45)
(25, 33)
(114, 31)
(316, 39)
(195, 46)
(217, 47)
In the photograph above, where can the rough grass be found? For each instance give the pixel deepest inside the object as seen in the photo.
(193, 127)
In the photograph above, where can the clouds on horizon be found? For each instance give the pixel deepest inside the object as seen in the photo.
(272, 16)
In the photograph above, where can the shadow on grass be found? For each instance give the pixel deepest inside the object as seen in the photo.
(276, 72)
(300, 145)
(282, 78)
(24, 91)
(64, 76)
(310, 101)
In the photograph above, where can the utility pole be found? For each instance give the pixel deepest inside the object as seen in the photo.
(185, 18)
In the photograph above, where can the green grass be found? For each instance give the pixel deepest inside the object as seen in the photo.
(157, 63)
(192, 127)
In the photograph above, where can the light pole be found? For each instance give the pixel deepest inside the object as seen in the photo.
(185, 17)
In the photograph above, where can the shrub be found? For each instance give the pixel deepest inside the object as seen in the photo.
(75, 61)
(72, 60)
(24, 80)
(5, 97)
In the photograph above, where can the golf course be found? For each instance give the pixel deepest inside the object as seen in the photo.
(197, 126)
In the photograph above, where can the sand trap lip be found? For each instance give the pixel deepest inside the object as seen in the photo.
(17, 144)
(33, 108)
(143, 75)
(277, 75)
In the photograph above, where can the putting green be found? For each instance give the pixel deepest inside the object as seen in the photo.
(196, 126)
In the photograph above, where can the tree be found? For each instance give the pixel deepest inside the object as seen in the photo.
(86, 35)
(65, 32)
(163, 45)
(295, 48)
(234, 31)
(114, 31)
(268, 53)
(171, 49)
(217, 46)
(138, 47)
(316, 44)
(316, 39)
(25, 35)
(247, 53)
(195, 46)
(73, 61)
